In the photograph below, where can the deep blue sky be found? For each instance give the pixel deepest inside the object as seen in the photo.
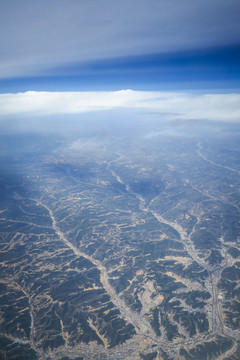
(65, 45)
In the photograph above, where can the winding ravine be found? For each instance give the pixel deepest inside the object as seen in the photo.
(32, 325)
(141, 325)
(198, 151)
(188, 245)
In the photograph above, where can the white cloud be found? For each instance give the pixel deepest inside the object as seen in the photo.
(224, 107)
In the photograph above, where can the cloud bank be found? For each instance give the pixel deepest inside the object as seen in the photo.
(218, 107)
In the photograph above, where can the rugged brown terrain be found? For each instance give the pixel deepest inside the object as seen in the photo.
(120, 246)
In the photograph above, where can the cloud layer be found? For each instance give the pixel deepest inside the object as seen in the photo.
(222, 107)
(37, 37)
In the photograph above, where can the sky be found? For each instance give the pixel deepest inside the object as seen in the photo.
(107, 45)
